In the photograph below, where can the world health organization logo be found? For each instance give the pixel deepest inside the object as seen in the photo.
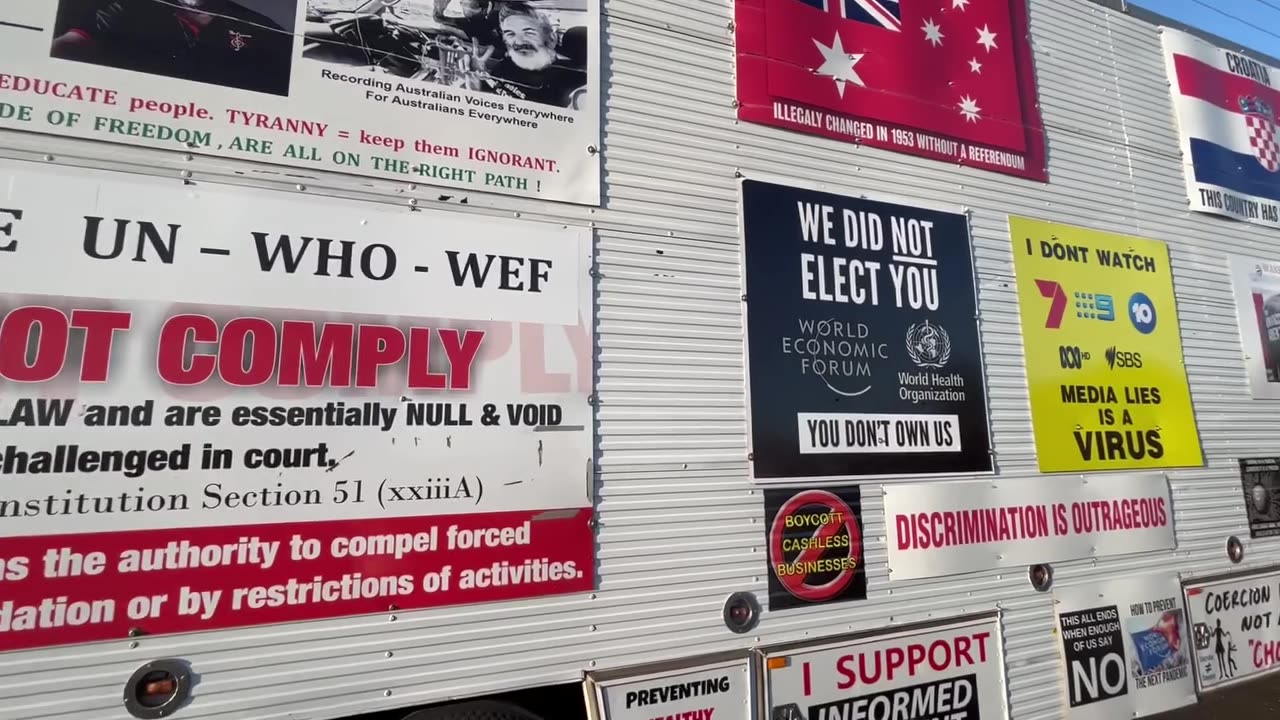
(928, 345)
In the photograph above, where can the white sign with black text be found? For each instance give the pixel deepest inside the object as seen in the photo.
(1125, 647)
(1236, 628)
(717, 691)
(250, 349)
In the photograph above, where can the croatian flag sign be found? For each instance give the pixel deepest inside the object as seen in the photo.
(1226, 106)
(951, 80)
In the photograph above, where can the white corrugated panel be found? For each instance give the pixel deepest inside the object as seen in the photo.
(681, 526)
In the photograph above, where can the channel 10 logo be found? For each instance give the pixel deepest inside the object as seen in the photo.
(1142, 313)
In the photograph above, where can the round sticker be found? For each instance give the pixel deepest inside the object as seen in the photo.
(815, 545)
(1142, 313)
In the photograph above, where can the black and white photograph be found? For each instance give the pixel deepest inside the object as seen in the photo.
(242, 44)
(532, 50)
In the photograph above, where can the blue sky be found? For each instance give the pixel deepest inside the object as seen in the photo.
(1240, 21)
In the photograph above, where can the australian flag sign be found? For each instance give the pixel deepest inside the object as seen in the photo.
(947, 79)
(886, 14)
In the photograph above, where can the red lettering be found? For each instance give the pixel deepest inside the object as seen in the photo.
(420, 376)
(936, 664)
(962, 651)
(533, 371)
(462, 355)
(844, 666)
(930, 530)
(52, 337)
(982, 645)
(171, 350)
(258, 337)
(100, 328)
(904, 532)
(43, 336)
(1265, 653)
(376, 347)
(316, 361)
(915, 656)
(580, 342)
(949, 532)
(893, 659)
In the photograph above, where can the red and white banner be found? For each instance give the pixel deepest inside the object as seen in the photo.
(1225, 106)
(946, 79)
(226, 407)
(950, 528)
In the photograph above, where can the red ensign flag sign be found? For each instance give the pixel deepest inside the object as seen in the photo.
(948, 79)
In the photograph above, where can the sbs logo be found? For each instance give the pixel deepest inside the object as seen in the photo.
(1123, 359)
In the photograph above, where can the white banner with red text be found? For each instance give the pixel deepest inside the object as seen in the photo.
(948, 671)
(1235, 625)
(951, 528)
(496, 97)
(210, 392)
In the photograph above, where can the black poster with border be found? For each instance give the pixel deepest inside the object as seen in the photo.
(1260, 481)
(815, 542)
(863, 351)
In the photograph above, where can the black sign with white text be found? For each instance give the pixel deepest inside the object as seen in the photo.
(862, 337)
(1093, 644)
(950, 699)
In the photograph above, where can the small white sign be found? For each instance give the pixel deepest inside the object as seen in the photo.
(720, 691)
(1256, 285)
(950, 528)
(1125, 647)
(843, 433)
(1236, 628)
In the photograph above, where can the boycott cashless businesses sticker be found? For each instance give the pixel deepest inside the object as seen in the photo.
(815, 546)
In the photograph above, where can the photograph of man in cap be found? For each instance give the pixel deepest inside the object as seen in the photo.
(539, 65)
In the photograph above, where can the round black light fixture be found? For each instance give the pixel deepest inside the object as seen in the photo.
(1235, 550)
(157, 689)
(741, 612)
(1041, 577)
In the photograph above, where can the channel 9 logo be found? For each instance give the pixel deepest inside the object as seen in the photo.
(1088, 306)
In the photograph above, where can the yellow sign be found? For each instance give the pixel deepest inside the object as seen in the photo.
(1103, 350)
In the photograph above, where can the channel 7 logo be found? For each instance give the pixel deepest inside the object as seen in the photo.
(1088, 306)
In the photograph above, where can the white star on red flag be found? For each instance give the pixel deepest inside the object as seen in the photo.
(987, 38)
(838, 64)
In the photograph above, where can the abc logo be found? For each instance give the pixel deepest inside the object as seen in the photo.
(1142, 313)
